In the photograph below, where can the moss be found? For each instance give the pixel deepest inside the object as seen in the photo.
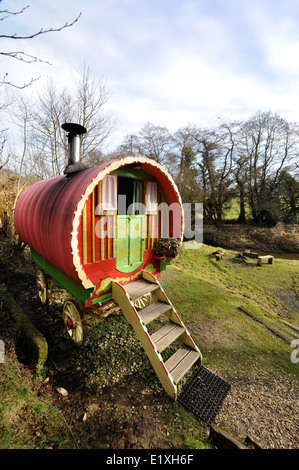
(26, 333)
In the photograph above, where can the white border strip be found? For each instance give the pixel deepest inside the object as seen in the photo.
(101, 175)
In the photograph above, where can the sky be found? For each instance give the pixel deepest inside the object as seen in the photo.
(168, 62)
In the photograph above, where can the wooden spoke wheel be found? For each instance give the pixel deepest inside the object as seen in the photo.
(74, 323)
(42, 287)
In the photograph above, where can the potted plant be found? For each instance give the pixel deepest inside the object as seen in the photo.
(167, 247)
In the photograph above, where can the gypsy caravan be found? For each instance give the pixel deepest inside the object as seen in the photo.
(95, 231)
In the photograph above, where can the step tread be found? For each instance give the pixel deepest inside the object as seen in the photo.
(139, 288)
(181, 361)
(153, 311)
(167, 335)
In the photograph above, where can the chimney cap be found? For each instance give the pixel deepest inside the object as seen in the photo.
(73, 129)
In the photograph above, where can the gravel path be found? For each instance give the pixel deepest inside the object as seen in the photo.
(265, 408)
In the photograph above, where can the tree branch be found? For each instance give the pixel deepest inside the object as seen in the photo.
(24, 57)
(19, 87)
(21, 55)
(41, 31)
(12, 12)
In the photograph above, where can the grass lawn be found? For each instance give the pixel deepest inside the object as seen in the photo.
(207, 294)
(110, 380)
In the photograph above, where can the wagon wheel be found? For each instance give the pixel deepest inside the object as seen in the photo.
(42, 287)
(74, 323)
(144, 301)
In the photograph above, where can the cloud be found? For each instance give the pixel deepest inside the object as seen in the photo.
(171, 61)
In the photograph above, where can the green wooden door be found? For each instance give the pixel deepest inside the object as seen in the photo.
(122, 246)
(130, 242)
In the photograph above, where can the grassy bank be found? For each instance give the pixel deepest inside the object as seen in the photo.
(281, 238)
(114, 398)
(208, 293)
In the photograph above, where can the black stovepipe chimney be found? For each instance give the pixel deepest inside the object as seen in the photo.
(74, 133)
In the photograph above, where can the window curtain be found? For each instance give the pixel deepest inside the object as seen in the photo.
(109, 193)
(152, 198)
(137, 198)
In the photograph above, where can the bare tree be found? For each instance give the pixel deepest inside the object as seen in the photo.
(240, 175)
(24, 152)
(53, 108)
(152, 142)
(3, 138)
(184, 168)
(183, 148)
(91, 96)
(21, 55)
(85, 104)
(155, 142)
(269, 145)
(249, 159)
(214, 160)
(130, 146)
(24, 163)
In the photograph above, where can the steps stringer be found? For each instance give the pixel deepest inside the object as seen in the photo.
(122, 298)
(160, 295)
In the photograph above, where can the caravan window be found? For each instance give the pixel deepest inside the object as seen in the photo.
(126, 196)
(108, 195)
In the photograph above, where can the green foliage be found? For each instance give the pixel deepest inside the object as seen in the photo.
(21, 404)
(112, 353)
(287, 197)
(113, 371)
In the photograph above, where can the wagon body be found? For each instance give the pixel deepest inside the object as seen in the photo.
(94, 231)
(100, 224)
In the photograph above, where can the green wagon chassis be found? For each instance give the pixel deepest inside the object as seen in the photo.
(73, 312)
(141, 302)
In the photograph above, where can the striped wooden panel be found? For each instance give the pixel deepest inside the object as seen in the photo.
(94, 248)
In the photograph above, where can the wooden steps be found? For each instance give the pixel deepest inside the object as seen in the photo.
(166, 335)
(171, 371)
(153, 311)
(139, 288)
(181, 361)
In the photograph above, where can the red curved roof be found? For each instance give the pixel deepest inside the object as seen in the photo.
(47, 213)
